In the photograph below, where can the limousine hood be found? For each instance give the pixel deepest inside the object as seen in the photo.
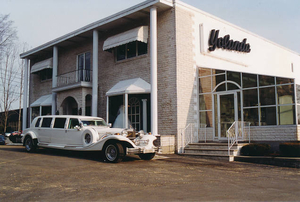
(107, 130)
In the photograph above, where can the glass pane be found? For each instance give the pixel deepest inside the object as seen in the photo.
(249, 80)
(131, 49)
(204, 72)
(205, 84)
(298, 114)
(234, 76)
(35, 112)
(46, 110)
(46, 122)
(285, 94)
(222, 87)
(216, 116)
(280, 80)
(298, 93)
(205, 102)
(268, 116)
(251, 115)
(80, 66)
(286, 114)
(217, 71)
(87, 66)
(219, 79)
(250, 98)
(205, 119)
(227, 112)
(142, 48)
(59, 123)
(267, 96)
(266, 80)
(37, 124)
(121, 52)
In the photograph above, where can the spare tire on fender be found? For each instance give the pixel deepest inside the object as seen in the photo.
(89, 137)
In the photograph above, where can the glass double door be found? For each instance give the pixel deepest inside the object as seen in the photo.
(227, 112)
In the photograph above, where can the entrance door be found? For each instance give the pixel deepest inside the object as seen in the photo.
(227, 112)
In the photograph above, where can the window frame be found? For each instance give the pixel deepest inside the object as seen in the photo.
(137, 53)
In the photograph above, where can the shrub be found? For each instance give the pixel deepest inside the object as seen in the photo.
(255, 149)
(290, 149)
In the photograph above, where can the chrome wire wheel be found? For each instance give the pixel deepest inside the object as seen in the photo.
(28, 144)
(111, 152)
(87, 138)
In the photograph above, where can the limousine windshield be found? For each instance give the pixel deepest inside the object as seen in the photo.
(93, 122)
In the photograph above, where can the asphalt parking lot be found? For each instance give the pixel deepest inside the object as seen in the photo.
(54, 175)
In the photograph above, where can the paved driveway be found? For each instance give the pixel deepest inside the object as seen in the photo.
(53, 175)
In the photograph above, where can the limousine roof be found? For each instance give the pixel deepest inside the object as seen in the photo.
(69, 116)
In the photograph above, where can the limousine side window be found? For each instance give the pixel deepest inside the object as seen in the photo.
(73, 123)
(59, 123)
(37, 124)
(46, 122)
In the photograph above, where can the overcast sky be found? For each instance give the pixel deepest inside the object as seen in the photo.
(39, 21)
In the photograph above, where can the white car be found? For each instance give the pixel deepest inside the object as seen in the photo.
(85, 133)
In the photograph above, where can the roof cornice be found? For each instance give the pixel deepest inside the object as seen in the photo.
(96, 24)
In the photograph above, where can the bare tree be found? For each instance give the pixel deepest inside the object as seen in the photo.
(8, 80)
(8, 73)
(8, 33)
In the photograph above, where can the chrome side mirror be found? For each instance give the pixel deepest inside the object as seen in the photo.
(77, 127)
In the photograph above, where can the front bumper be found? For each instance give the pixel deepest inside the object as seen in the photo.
(142, 150)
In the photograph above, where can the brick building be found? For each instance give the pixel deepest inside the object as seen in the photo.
(181, 73)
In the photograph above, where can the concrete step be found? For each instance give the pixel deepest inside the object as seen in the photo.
(212, 151)
(210, 156)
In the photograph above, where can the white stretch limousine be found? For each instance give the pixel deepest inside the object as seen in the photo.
(85, 133)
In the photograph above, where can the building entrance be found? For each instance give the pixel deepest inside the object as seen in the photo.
(227, 113)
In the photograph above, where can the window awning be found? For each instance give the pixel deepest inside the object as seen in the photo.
(45, 64)
(137, 34)
(45, 100)
(131, 86)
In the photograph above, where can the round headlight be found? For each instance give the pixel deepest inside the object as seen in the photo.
(141, 134)
(124, 133)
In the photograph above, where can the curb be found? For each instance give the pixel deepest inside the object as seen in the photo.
(292, 162)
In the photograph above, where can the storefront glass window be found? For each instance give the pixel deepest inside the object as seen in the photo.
(235, 77)
(219, 79)
(285, 94)
(268, 116)
(298, 114)
(251, 115)
(205, 102)
(298, 94)
(286, 114)
(259, 103)
(266, 80)
(205, 118)
(249, 80)
(267, 96)
(205, 84)
(250, 98)
(280, 80)
(142, 48)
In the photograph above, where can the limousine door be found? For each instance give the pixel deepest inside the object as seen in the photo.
(73, 136)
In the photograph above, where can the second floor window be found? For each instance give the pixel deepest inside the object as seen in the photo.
(130, 50)
(45, 74)
(84, 67)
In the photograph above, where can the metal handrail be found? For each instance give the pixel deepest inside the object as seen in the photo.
(74, 77)
(237, 132)
(188, 135)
